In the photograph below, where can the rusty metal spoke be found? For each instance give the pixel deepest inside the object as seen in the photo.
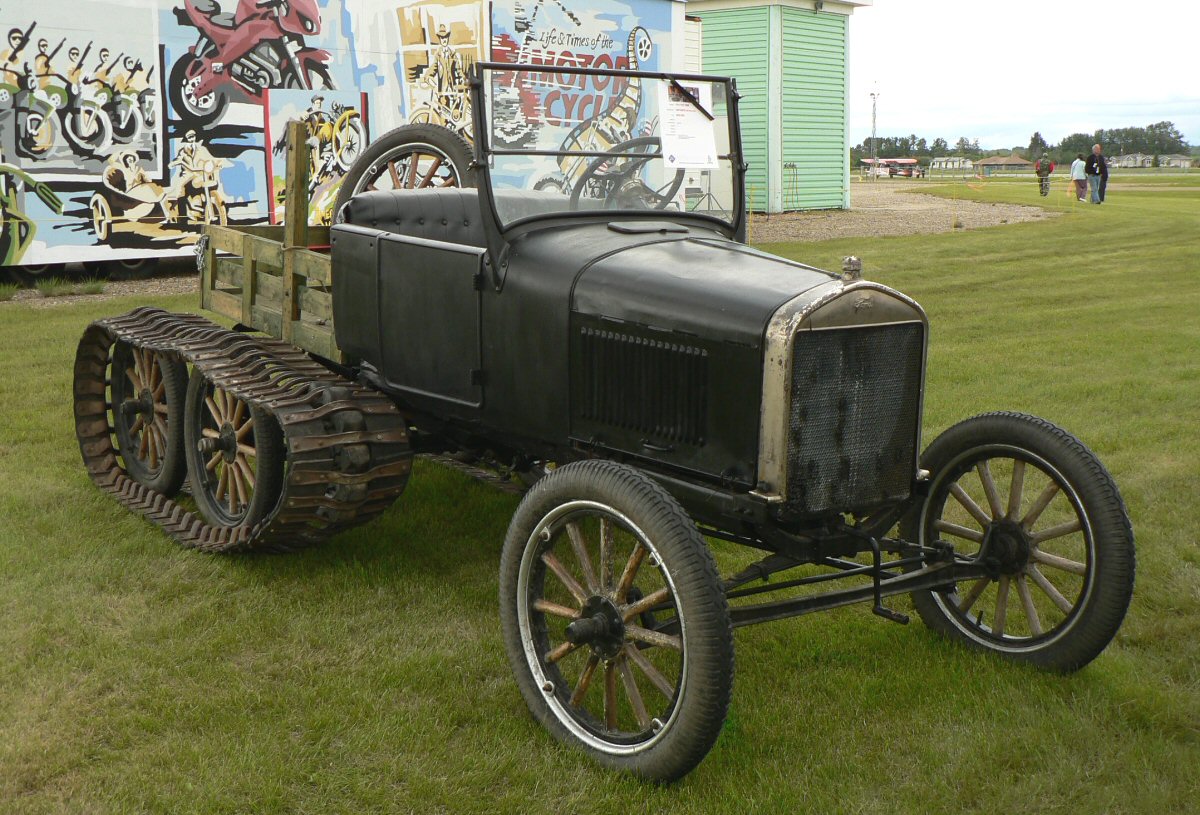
(395, 174)
(636, 632)
(585, 680)
(653, 674)
(631, 691)
(582, 556)
(565, 577)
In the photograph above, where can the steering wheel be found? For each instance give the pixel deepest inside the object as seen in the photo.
(627, 189)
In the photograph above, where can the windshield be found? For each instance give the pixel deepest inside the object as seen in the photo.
(562, 140)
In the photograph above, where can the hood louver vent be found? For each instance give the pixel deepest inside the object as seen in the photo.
(644, 385)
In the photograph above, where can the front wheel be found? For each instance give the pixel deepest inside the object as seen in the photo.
(614, 620)
(196, 110)
(1040, 513)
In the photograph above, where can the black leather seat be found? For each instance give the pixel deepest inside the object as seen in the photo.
(448, 214)
(442, 214)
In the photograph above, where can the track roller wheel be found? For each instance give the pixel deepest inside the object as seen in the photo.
(148, 391)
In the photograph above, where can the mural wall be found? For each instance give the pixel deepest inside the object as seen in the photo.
(123, 140)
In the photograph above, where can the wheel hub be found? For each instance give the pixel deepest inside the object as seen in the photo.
(1006, 548)
(228, 442)
(599, 626)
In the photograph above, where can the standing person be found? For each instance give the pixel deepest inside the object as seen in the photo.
(1079, 176)
(1095, 169)
(1103, 164)
(1042, 169)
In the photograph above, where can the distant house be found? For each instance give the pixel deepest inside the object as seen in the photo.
(1004, 164)
(950, 163)
(1132, 160)
(1175, 160)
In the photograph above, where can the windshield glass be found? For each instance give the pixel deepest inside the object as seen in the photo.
(569, 140)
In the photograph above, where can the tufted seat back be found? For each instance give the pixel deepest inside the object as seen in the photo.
(445, 214)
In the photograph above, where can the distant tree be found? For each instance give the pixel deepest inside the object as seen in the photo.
(1037, 146)
(962, 147)
(939, 147)
(1074, 144)
(1164, 137)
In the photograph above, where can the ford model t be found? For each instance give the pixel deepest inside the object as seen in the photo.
(613, 342)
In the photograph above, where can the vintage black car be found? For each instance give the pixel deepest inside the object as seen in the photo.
(588, 316)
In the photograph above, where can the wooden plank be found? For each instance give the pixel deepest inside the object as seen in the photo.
(316, 305)
(229, 272)
(268, 289)
(318, 236)
(295, 216)
(270, 231)
(317, 340)
(224, 238)
(313, 267)
(263, 250)
(266, 320)
(225, 304)
(290, 305)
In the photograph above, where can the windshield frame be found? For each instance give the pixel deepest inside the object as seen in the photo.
(483, 153)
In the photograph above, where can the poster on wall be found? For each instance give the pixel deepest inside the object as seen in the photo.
(441, 40)
(573, 112)
(336, 127)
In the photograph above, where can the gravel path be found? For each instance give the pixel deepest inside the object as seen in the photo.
(881, 207)
(888, 207)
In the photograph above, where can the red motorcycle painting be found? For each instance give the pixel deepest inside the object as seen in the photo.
(238, 54)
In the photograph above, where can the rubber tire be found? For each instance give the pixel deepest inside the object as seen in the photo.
(708, 681)
(269, 472)
(173, 469)
(1101, 612)
(393, 142)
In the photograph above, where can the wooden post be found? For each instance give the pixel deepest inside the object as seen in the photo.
(295, 220)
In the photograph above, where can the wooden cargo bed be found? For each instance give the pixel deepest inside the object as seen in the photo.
(276, 279)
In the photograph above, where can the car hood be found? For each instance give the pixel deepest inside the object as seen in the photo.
(706, 286)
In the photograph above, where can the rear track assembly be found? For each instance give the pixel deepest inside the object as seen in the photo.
(348, 454)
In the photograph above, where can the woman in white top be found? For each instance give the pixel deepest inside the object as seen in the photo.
(1079, 177)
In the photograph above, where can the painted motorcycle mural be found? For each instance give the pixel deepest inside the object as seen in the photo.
(240, 54)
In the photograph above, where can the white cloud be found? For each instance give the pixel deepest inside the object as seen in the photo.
(998, 72)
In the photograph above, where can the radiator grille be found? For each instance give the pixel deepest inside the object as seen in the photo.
(852, 429)
(644, 385)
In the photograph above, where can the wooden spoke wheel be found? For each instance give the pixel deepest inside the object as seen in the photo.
(1036, 508)
(416, 156)
(235, 455)
(148, 391)
(615, 621)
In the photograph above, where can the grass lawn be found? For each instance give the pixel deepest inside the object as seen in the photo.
(368, 675)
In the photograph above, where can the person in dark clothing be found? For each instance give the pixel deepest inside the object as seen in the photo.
(1042, 169)
(1097, 175)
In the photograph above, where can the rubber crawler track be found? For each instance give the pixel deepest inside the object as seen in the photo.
(348, 453)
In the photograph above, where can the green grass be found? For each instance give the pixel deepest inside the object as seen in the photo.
(91, 286)
(368, 675)
(54, 287)
(8, 291)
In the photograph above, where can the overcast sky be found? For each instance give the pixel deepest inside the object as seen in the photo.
(999, 71)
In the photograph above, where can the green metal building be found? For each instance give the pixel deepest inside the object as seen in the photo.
(790, 61)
